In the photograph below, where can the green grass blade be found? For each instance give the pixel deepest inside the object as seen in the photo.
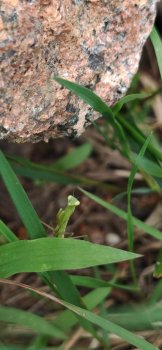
(122, 214)
(150, 167)
(67, 319)
(90, 282)
(86, 95)
(129, 98)
(30, 320)
(7, 233)
(101, 322)
(157, 44)
(9, 347)
(129, 191)
(111, 327)
(56, 254)
(36, 230)
(73, 158)
(131, 129)
(138, 318)
(98, 105)
(21, 200)
(46, 173)
(34, 172)
(156, 293)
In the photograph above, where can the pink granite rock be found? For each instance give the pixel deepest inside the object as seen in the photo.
(96, 43)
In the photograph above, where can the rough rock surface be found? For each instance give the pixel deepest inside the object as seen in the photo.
(96, 43)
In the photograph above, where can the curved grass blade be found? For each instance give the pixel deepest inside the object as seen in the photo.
(98, 105)
(73, 158)
(47, 173)
(129, 98)
(49, 254)
(21, 200)
(90, 282)
(7, 233)
(86, 95)
(36, 230)
(139, 318)
(30, 320)
(129, 190)
(99, 321)
(67, 319)
(150, 167)
(122, 214)
(157, 44)
(111, 327)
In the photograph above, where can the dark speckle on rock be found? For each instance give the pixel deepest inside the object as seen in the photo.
(96, 62)
(70, 108)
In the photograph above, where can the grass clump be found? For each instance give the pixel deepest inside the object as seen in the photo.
(79, 301)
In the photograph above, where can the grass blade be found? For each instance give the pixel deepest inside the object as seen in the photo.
(36, 230)
(86, 95)
(21, 200)
(73, 158)
(150, 167)
(47, 173)
(90, 282)
(111, 327)
(101, 322)
(7, 233)
(122, 214)
(56, 254)
(30, 320)
(138, 318)
(67, 319)
(129, 190)
(98, 105)
(157, 44)
(129, 98)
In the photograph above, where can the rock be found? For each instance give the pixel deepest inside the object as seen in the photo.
(96, 43)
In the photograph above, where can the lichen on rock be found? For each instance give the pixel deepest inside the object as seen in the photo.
(96, 43)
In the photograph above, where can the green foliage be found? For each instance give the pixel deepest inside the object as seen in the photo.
(156, 41)
(56, 254)
(52, 257)
(27, 319)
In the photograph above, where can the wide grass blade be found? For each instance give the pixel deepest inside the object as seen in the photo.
(34, 322)
(122, 214)
(150, 167)
(73, 158)
(36, 230)
(47, 254)
(21, 200)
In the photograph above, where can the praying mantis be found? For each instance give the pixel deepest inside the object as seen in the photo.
(64, 215)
